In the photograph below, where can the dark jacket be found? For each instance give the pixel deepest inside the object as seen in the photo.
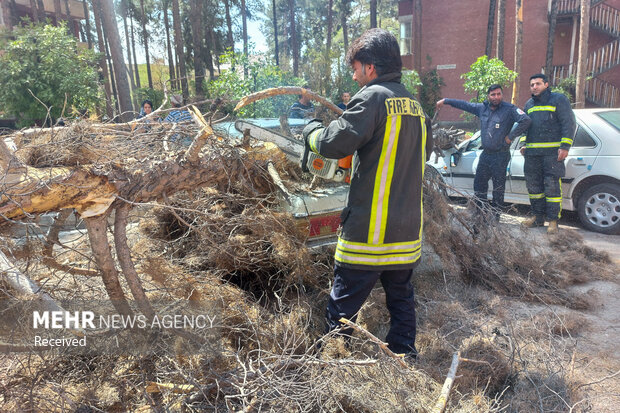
(496, 124)
(386, 126)
(553, 124)
(300, 111)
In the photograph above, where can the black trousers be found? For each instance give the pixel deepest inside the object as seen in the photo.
(352, 287)
(543, 176)
(492, 165)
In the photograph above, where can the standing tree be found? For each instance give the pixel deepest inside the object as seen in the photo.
(197, 39)
(484, 72)
(501, 24)
(553, 17)
(122, 84)
(35, 11)
(344, 13)
(584, 30)
(57, 12)
(417, 35)
(518, 48)
(171, 70)
(275, 33)
(328, 43)
(230, 43)
(133, 47)
(244, 21)
(145, 42)
(294, 42)
(178, 41)
(490, 26)
(125, 12)
(373, 14)
(44, 66)
(109, 109)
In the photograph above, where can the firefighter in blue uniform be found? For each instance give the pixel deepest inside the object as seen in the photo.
(548, 141)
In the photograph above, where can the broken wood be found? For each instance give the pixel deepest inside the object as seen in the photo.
(440, 405)
(286, 90)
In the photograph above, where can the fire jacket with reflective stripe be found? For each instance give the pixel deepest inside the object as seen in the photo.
(386, 126)
(553, 124)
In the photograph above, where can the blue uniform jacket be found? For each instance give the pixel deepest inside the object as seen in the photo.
(496, 124)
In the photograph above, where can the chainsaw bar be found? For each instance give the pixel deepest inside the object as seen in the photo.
(292, 147)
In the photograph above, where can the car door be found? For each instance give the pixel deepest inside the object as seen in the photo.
(465, 169)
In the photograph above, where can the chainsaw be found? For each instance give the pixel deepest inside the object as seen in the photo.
(295, 150)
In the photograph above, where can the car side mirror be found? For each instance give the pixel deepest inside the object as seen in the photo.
(454, 159)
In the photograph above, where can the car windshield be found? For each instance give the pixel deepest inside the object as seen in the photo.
(612, 117)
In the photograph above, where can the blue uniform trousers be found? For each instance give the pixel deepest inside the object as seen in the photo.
(543, 174)
(352, 287)
(492, 165)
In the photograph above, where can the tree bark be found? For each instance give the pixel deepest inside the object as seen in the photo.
(490, 26)
(109, 110)
(584, 31)
(35, 11)
(197, 39)
(171, 71)
(417, 36)
(344, 13)
(553, 17)
(501, 24)
(373, 14)
(294, 42)
(518, 49)
(133, 49)
(244, 20)
(178, 41)
(8, 11)
(128, 43)
(89, 36)
(145, 41)
(122, 84)
(209, 49)
(57, 12)
(328, 45)
(70, 24)
(230, 43)
(111, 71)
(275, 33)
(41, 10)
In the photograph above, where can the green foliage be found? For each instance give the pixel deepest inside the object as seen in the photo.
(262, 74)
(411, 80)
(154, 95)
(430, 91)
(484, 73)
(567, 87)
(46, 60)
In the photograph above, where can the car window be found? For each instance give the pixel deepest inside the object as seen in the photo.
(612, 117)
(474, 144)
(583, 138)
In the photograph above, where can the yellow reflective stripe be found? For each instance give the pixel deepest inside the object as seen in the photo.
(554, 199)
(377, 249)
(567, 140)
(383, 260)
(543, 145)
(423, 162)
(522, 139)
(313, 138)
(537, 196)
(541, 109)
(561, 195)
(383, 181)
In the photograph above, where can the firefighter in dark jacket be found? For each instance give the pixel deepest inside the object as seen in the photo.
(496, 121)
(548, 141)
(381, 233)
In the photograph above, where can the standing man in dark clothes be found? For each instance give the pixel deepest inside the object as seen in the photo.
(381, 233)
(303, 108)
(548, 140)
(346, 97)
(496, 120)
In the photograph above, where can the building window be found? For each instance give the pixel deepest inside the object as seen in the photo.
(405, 35)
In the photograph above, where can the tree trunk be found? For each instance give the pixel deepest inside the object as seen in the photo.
(173, 82)
(373, 14)
(584, 31)
(244, 20)
(145, 40)
(501, 24)
(35, 11)
(294, 43)
(8, 11)
(417, 35)
(490, 26)
(89, 36)
(178, 41)
(41, 10)
(553, 17)
(128, 43)
(209, 50)
(518, 48)
(109, 110)
(328, 45)
(70, 24)
(275, 33)
(57, 12)
(197, 39)
(111, 29)
(112, 74)
(229, 33)
(133, 49)
(344, 13)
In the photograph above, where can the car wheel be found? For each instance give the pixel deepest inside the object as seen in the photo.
(599, 208)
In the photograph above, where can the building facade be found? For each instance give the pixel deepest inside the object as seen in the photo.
(13, 11)
(453, 34)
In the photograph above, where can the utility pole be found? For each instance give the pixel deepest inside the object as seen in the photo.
(584, 30)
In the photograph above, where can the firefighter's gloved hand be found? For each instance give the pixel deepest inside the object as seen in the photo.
(312, 126)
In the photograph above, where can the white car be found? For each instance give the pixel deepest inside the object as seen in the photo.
(592, 182)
